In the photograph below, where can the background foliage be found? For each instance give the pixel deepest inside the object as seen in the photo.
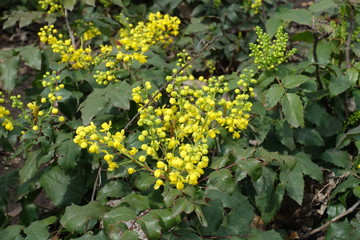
(294, 173)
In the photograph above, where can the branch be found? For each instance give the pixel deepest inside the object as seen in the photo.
(198, 54)
(71, 34)
(349, 37)
(341, 215)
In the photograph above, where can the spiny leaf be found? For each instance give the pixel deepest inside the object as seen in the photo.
(76, 217)
(293, 109)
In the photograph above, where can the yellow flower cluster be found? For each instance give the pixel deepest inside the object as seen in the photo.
(256, 4)
(91, 32)
(7, 124)
(78, 58)
(175, 135)
(89, 137)
(52, 5)
(134, 42)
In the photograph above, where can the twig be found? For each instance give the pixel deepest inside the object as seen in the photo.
(198, 54)
(98, 176)
(71, 34)
(349, 37)
(341, 215)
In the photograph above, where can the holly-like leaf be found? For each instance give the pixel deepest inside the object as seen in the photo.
(308, 167)
(68, 153)
(76, 217)
(113, 189)
(293, 109)
(223, 180)
(8, 73)
(69, 4)
(30, 167)
(114, 218)
(274, 95)
(291, 81)
(150, 224)
(337, 157)
(37, 231)
(308, 137)
(294, 183)
(62, 189)
(31, 55)
(268, 200)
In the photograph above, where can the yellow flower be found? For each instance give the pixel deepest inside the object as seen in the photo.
(105, 127)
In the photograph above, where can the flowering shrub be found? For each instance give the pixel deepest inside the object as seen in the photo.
(180, 120)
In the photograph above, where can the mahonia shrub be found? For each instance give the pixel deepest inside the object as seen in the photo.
(175, 134)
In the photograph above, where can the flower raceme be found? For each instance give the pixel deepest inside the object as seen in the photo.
(134, 42)
(270, 53)
(175, 136)
(36, 112)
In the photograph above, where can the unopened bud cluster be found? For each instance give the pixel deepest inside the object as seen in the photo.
(269, 53)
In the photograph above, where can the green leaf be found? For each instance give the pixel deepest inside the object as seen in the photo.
(337, 157)
(350, 134)
(294, 183)
(30, 167)
(31, 55)
(338, 85)
(291, 81)
(183, 205)
(11, 232)
(137, 202)
(308, 137)
(195, 26)
(93, 104)
(272, 25)
(251, 166)
(256, 234)
(338, 231)
(274, 95)
(305, 36)
(268, 200)
(301, 16)
(8, 73)
(350, 183)
(68, 153)
(101, 235)
(150, 225)
(113, 218)
(113, 189)
(37, 231)
(322, 6)
(222, 161)
(69, 4)
(352, 75)
(144, 181)
(308, 167)
(213, 214)
(316, 114)
(62, 189)
(293, 109)
(119, 94)
(76, 217)
(356, 191)
(169, 195)
(285, 134)
(223, 180)
(90, 2)
(26, 18)
(167, 218)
